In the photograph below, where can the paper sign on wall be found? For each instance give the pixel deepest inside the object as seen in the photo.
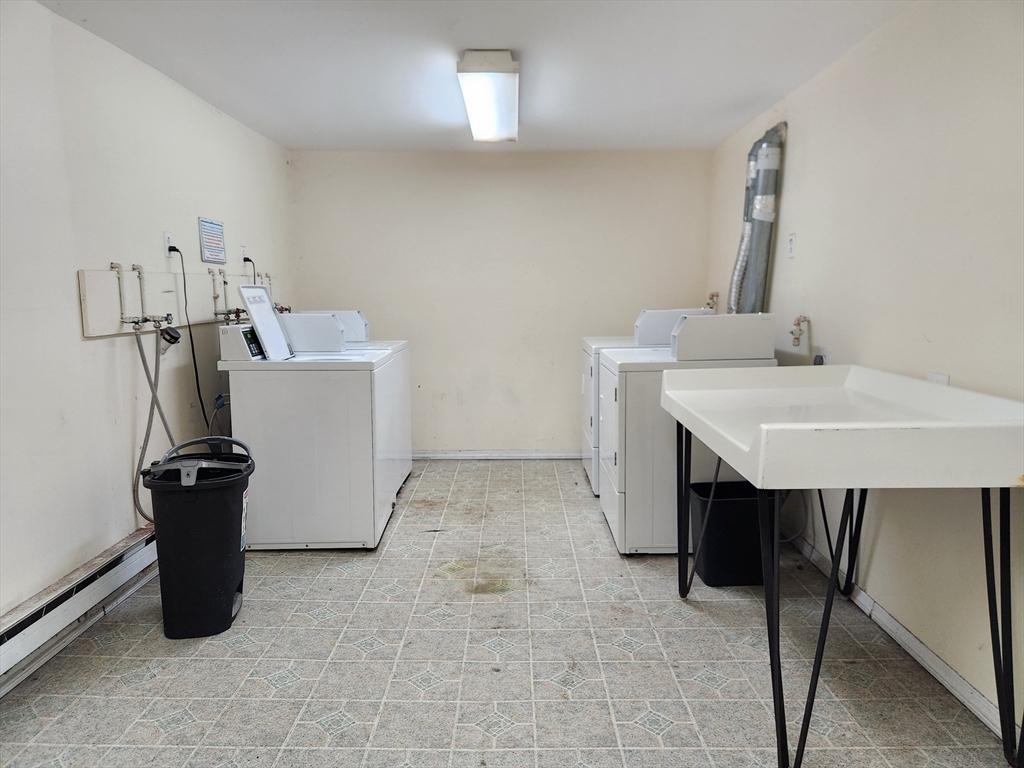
(211, 241)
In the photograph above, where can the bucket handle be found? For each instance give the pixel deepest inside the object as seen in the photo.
(189, 468)
(208, 441)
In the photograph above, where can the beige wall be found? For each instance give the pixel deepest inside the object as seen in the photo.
(903, 184)
(100, 154)
(494, 265)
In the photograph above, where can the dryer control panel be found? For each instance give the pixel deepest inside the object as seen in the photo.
(240, 342)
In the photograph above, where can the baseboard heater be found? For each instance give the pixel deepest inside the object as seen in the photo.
(36, 630)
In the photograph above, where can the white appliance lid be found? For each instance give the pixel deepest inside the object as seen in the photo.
(263, 316)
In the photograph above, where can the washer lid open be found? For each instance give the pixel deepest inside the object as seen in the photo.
(263, 316)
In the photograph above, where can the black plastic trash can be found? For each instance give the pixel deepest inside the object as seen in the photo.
(199, 502)
(731, 555)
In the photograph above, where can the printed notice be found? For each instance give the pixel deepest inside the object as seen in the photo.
(211, 241)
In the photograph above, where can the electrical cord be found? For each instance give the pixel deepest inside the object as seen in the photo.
(253, 264)
(191, 339)
(803, 528)
(220, 402)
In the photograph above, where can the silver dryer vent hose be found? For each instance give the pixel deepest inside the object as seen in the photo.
(750, 273)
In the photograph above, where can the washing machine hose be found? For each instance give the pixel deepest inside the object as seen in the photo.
(154, 406)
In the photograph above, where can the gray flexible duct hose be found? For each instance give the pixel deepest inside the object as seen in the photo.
(154, 405)
(750, 273)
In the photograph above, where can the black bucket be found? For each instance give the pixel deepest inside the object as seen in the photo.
(199, 505)
(731, 554)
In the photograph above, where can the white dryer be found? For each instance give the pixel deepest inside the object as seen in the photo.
(589, 378)
(637, 437)
(653, 327)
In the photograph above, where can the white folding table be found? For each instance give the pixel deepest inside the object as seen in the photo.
(814, 427)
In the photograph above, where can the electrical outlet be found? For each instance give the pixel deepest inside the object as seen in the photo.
(168, 242)
(245, 251)
(791, 246)
(821, 356)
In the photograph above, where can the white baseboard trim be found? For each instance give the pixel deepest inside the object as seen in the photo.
(510, 455)
(969, 696)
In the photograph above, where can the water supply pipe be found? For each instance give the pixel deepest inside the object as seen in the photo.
(118, 270)
(137, 269)
(216, 294)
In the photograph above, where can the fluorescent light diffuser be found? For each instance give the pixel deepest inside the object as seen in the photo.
(490, 89)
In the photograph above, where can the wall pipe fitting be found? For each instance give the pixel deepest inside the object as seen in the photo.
(750, 273)
(799, 324)
(145, 317)
(118, 270)
(220, 287)
(137, 269)
(213, 282)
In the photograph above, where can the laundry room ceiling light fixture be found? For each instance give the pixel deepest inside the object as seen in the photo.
(490, 88)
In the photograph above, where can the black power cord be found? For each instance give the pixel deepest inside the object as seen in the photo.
(253, 263)
(191, 340)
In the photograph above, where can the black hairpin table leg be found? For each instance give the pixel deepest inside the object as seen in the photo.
(826, 616)
(684, 442)
(1000, 613)
(1000, 605)
(853, 543)
(768, 519)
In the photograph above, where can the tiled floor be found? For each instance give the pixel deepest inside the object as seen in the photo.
(497, 627)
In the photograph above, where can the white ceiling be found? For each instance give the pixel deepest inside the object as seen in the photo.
(381, 75)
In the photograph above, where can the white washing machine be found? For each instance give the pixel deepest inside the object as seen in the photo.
(653, 327)
(637, 438)
(331, 435)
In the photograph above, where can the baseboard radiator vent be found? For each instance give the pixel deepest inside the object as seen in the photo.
(39, 628)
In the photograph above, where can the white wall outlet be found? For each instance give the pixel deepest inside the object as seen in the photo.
(791, 246)
(168, 242)
(821, 356)
(245, 251)
(937, 377)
